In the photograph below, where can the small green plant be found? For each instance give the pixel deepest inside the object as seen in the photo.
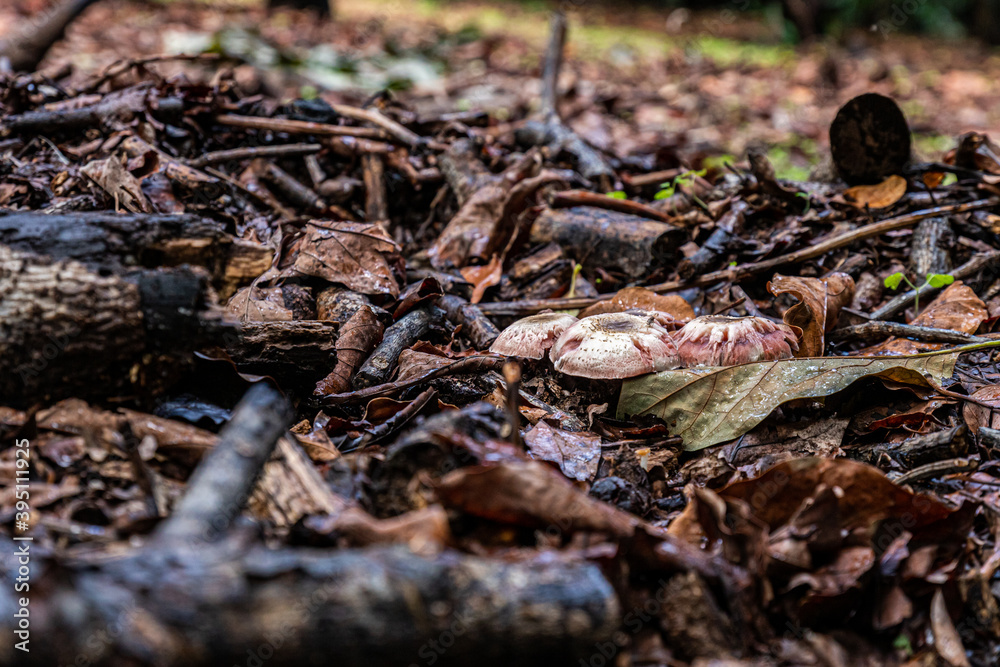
(668, 189)
(617, 194)
(936, 280)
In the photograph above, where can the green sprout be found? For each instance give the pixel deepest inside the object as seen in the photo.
(668, 189)
(617, 194)
(935, 280)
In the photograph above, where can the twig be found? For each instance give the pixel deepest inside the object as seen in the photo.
(299, 127)
(378, 119)
(476, 364)
(250, 152)
(569, 198)
(879, 329)
(553, 63)
(221, 484)
(512, 376)
(937, 468)
(746, 270)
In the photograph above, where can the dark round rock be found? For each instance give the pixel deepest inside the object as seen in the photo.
(869, 139)
(622, 494)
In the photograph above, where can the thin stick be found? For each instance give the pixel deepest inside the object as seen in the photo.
(378, 119)
(299, 127)
(569, 198)
(250, 152)
(553, 63)
(880, 329)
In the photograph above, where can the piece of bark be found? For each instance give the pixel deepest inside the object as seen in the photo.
(223, 480)
(66, 330)
(713, 251)
(373, 170)
(298, 194)
(109, 241)
(606, 239)
(291, 488)
(932, 238)
(869, 139)
(28, 45)
(297, 349)
(401, 335)
(479, 328)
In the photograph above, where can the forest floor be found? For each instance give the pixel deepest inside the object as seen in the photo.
(334, 220)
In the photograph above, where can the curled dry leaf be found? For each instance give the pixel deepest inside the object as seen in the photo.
(483, 277)
(259, 304)
(468, 232)
(978, 416)
(821, 300)
(880, 195)
(956, 308)
(576, 454)
(713, 405)
(425, 531)
(350, 253)
(357, 339)
(121, 185)
(529, 493)
(416, 363)
(643, 299)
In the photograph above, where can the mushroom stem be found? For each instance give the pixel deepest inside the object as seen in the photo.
(512, 376)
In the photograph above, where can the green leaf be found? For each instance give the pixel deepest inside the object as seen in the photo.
(939, 279)
(665, 193)
(707, 406)
(617, 194)
(892, 282)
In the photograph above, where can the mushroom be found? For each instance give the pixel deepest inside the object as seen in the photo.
(614, 346)
(531, 337)
(717, 340)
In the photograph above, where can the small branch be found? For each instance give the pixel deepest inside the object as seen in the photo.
(299, 127)
(477, 364)
(875, 330)
(251, 152)
(221, 484)
(378, 119)
(553, 64)
(570, 198)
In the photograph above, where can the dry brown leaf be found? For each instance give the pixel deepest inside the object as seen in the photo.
(821, 301)
(947, 641)
(122, 186)
(483, 277)
(643, 299)
(881, 195)
(468, 232)
(358, 337)
(956, 308)
(576, 454)
(350, 253)
(977, 416)
(414, 364)
(529, 493)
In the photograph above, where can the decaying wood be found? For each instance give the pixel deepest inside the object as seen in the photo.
(67, 330)
(291, 488)
(299, 127)
(117, 107)
(929, 248)
(110, 241)
(297, 193)
(376, 206)
(610, 240)
(477, 364)
(480, 330)
(402, 334)
(301, 349)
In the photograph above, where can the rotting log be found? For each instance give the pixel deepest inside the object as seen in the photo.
(109, 241)
(66, 330)
(300, 349)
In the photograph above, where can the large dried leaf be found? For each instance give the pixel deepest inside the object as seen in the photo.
(709, 406)
(122, 186)
(259, 304)
(956, 308)
(350, 253)
(821, 301)
(357, 339)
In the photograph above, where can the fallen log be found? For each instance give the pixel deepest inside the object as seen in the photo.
(26, 47)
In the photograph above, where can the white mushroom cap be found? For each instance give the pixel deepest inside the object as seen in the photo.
(717, 340)
(614, 346)
(531, 337)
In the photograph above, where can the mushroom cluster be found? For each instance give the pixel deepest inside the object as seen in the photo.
(614, 346)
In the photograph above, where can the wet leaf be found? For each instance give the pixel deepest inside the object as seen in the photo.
(977, 416)
(260, 304)
(576, 454)
(710, 406)
(483, 277)
(358, 337)
(350, 253)
(881, 195)
(821, 301)
(120, 185)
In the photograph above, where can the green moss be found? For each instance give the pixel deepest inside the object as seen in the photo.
(728, 52)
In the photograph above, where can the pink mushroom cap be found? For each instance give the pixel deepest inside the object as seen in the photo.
(717, 340)
(613, 346)
(531, 337)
